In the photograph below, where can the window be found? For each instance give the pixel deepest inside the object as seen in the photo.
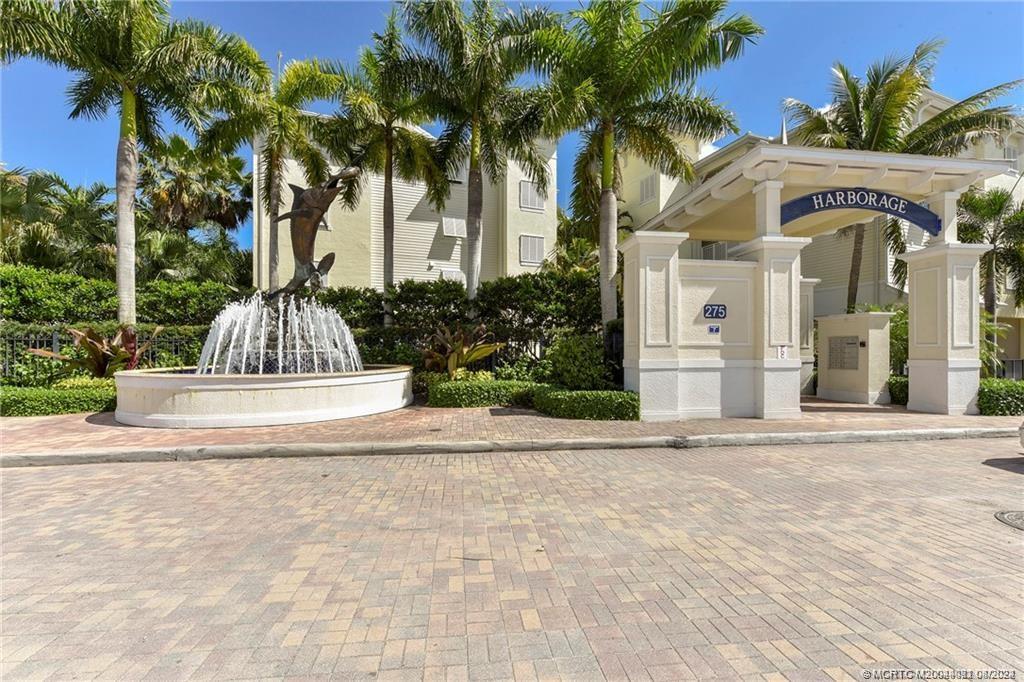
(648, 188)
(531, 249)
(453, 227)
(1010, 154)
(529, 198)
(460, 176)
(714, 250)
(453, 273)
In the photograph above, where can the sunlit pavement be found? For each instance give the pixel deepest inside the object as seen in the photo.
(804, 561)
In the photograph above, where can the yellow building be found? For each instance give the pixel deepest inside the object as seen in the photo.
(519, 228)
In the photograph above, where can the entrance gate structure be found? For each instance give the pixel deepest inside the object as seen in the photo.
(724, 338)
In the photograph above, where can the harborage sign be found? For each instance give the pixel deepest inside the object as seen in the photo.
(859, 197)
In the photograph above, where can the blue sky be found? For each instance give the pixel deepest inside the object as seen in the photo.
(792, 59)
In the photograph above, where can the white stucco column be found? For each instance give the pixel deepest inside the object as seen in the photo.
(943, 204)
(943, 318)
(807, 285)
(776, 315)
(650, 292)
(767, 202)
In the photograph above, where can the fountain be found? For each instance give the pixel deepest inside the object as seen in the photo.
(274, 359)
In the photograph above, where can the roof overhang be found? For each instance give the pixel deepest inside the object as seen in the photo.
(722, 207)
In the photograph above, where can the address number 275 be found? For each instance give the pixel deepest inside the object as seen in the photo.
(714, 311)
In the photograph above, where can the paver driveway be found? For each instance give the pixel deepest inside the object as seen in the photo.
(806, 561)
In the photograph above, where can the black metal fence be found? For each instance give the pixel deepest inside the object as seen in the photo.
(18, 366)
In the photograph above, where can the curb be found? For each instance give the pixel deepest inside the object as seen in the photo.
(260, 451)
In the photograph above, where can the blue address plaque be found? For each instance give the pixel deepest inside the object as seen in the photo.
(714, 311)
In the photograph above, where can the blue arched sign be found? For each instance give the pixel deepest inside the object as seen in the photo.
(859, 197)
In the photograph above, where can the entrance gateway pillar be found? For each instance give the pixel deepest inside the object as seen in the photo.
(944, 317)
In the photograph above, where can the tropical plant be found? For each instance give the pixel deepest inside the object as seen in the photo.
(384, 115)
(625, 76)
(451, 350)
(277, 123)
(993, 217)
(466, 75)
(133, 57)
(186, 187)
(100, 356)
(878, 113)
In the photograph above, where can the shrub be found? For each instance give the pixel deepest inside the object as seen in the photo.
(100, 356)
(18, 401)
(32, 295)
(522, 368)
(422, 307)
(577, 362)
(1001, 397)
(360, 307)
(423, 381)
(481, 393)
(78, 383)
(598, 405)
(899, 389)
(162, 301)
(450, 351)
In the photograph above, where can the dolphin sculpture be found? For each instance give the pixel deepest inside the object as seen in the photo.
(308, 208)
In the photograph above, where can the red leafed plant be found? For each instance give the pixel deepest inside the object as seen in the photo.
(451, 350)
(102, 356)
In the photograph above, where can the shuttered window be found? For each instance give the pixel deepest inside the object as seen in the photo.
(453, 227)
(531, 249)
(530, 198)
(648, 188)
(453, 273)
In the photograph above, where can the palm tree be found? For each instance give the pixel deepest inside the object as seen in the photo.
(878, 113)
(466, 75)
(624, 76)
(993, 217)
(279, 127)
(187, 188)
(131, 56)
(384, 115)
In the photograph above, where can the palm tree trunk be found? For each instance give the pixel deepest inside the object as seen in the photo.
(608, 229)
(274, 248)
(389, 224)
(127, 177)
(474, 210)
(855, 261)
(990, 307)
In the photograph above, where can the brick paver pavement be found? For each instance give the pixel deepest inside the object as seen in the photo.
(804, 562)
(424, 424)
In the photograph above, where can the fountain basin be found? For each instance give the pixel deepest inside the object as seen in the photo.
(180, 399)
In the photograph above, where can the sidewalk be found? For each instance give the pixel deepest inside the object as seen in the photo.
(440, 430)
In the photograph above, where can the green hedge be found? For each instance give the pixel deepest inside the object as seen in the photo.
(550, 400)
(481, 393)
(40, 296)
(1001, 397)
(899, 388)
(18, 401)
(598, 405)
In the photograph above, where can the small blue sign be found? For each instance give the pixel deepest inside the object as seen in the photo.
(860, 197)
(714, 329)
(714, 311)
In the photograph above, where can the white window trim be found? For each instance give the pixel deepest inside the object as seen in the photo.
(543, 248)
(532, 209)
(458, 230)
(653, 178)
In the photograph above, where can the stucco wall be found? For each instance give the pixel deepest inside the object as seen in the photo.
(356, 236)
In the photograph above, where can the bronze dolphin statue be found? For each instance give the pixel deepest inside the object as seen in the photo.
(308, 209)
